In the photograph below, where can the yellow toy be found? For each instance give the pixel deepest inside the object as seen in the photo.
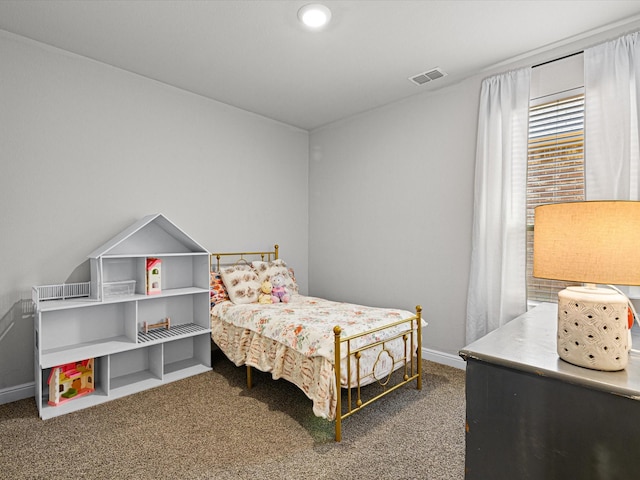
(265, 296)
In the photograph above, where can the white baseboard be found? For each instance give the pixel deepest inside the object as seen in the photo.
(444, 358)
(17, 392)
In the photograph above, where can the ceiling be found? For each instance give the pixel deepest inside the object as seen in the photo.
(254, 54)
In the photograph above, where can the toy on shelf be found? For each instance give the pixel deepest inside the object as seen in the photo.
(149, 326)
(154, 276)
(69, 381)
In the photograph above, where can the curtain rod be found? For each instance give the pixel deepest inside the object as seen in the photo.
(556, 59)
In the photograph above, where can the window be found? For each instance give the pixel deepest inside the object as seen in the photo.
(555, 169)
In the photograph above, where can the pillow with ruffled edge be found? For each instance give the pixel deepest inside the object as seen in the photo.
(266, 270)
(241, 283)
(217, 289)
(293, 278)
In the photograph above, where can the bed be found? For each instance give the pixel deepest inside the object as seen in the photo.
(312, 342)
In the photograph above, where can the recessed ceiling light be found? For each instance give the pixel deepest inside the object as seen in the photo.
(314, 16)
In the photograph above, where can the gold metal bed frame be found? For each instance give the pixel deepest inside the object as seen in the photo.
(411, 336)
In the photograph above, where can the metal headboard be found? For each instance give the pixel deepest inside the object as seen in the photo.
(216, 258)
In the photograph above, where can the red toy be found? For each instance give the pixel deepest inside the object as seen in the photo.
(70, 381)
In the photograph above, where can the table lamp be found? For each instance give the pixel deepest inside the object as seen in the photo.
(593, 242)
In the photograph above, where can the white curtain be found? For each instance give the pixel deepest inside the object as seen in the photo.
(612, 93)
(497, 284)
(612, 84)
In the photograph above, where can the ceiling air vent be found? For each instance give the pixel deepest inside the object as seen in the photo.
(426, 77)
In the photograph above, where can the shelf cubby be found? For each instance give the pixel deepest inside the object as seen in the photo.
(134, 368)
(185, 354)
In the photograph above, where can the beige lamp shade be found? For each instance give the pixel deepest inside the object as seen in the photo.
(591, 242)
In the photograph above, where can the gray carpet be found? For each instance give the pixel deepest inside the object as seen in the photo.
(211, 427)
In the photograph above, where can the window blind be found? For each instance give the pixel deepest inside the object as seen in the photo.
(555, 172)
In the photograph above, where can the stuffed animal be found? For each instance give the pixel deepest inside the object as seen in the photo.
(279, 292)
(265, 295)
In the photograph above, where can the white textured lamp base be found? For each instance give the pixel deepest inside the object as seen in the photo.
(593, 329)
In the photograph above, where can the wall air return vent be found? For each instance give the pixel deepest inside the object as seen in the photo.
(427, 77)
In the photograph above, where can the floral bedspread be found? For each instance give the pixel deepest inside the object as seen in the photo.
(305, 324)
(315, 376)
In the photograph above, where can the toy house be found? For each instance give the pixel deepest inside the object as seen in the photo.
(154, 276)
(70, 381)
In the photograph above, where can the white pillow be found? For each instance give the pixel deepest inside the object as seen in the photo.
(266, 270)
(241, 283)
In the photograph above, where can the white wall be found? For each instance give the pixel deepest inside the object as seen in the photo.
(391, 196)
(87, 149)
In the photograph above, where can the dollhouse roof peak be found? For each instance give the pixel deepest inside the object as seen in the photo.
(151, 235)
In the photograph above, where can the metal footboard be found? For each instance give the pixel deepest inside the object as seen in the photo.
(412, 338)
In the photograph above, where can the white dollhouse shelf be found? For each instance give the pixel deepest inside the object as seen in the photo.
(104, 318)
